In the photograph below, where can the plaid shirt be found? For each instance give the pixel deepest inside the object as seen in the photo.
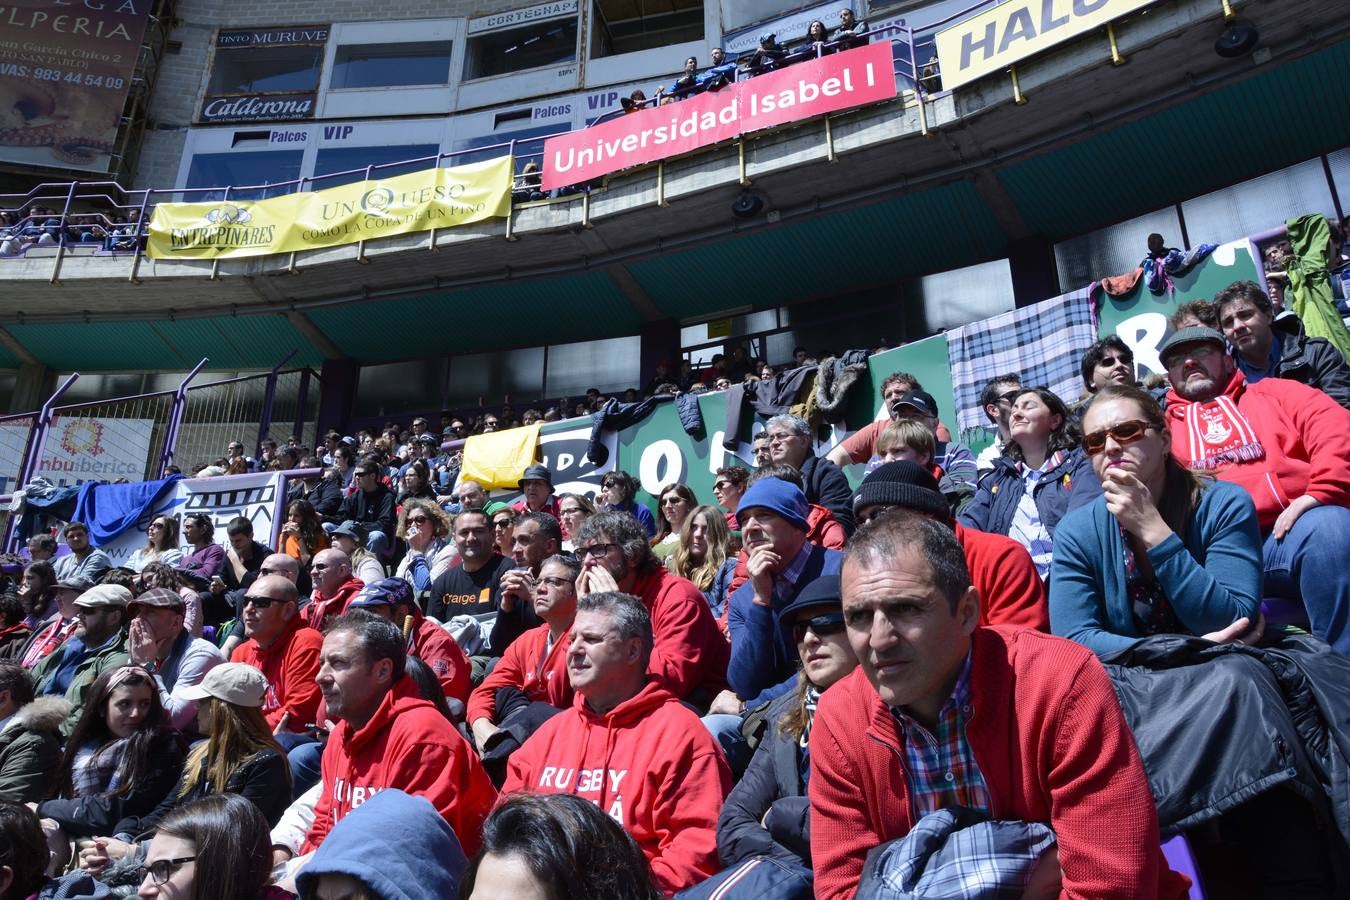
(940, 764)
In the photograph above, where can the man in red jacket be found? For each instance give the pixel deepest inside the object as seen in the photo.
(389, 737)
(690, 655)
(334, 587)
(1018, 725)
(1011, 593)
(285, 649)
(1288, 445)
(392, 600)
(629, 746)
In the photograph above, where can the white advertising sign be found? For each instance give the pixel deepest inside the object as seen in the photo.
(522, 16)
(79, 449)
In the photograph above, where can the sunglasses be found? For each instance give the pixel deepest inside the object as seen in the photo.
(418, 520)
(1008, 397)
(722, 486)
(821, 626)
(1121, 433)
(259, 602)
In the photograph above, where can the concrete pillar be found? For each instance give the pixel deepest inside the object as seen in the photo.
(32, 387)
(1034, 276)
(337, 394)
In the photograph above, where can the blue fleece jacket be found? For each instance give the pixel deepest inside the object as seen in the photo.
(1212, 578)
(763, 657)
(395, 844)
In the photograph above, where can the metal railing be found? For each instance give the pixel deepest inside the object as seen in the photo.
(137, 437)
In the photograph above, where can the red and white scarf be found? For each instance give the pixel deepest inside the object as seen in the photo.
(1217, 434)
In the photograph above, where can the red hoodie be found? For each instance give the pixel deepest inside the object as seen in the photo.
(650, 764)
(1011, 593)
(407, 745)
(290, 665)
(690, 652)
(433, 645)
(321, 608)
(1048, 737)
(524, 666)
(1306, 436)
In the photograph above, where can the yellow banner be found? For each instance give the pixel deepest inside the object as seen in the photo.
(420, 201)
(999, 37)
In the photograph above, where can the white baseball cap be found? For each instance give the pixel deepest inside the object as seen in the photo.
(237, 683)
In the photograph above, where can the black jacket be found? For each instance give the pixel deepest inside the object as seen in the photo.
(325, 497)
(774, 783)
(1218, 724)
(97, 815)
(264, 778)
(373, 509)
(1311, 360)
(826, 485)
(30, 750)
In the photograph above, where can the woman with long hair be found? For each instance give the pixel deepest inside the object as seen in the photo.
(1163, 550)
(161, 545)
(573, 509)
(1042, 475)
(239, 756)
(673, 506)
(120, 761)
(619, 492)
(215, 848)
(415, 484)
(765, 813)
(558, 846)
(302, 536)
(37, 593)
(426, 529)
(704, 555)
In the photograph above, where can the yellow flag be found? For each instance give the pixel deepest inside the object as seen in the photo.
(366, 210)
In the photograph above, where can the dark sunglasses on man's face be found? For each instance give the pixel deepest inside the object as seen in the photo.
(821, 626)
(259, 602)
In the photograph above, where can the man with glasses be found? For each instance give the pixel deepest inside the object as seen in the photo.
(372, 506)
(536, 537)
(529, 684)
(996, 400)
(334, 587)
(473, 585)
(283, 648)
(759, 449)
(691, 654)
(1288, 445)
(1107, 362)
(790, 444)
(98, 645)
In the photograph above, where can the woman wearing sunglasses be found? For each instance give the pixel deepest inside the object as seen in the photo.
(1163, 550)
(1041, 475)
(767, 811)
(426, 528)
(161, 544)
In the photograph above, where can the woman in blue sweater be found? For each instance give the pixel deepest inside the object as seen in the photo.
(1163, 550)
(1041, 475)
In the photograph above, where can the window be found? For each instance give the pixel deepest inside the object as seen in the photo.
(1261, 203)
(221, 169)
(265, 70)
(391, 65)
(529, 145)
(622, 27)
(347, 159)
(961, 296)
(548, 43)
(610, 365)
(396, 389)
(487, 378)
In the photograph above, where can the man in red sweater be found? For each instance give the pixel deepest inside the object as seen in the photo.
(285, 649)
(392, 600)
(389, 737)
(690, 655)
(1288, 445)
(629, 746)
(334, 587)
(1011, 593)
(533, 670)
(1018, 725)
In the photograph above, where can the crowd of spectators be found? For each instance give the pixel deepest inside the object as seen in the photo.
(1038, 663)
(108, 230)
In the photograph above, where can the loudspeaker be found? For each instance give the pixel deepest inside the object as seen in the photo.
(1238, 39)
(747, 205)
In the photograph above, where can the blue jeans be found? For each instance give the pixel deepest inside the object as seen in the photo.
(726, 728)
(1309, 564)
(304, 752)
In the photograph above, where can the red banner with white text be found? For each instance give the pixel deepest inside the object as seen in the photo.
(838, 81)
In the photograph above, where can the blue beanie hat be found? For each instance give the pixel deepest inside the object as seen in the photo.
(776, 495)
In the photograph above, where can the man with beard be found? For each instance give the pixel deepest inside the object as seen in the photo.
(536, 537)
(473, 586)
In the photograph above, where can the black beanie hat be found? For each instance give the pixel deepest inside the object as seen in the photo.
(902, 483)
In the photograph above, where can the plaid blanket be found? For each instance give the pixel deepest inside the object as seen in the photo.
(1044, 343)
(953, 854)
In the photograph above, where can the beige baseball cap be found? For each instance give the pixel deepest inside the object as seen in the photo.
(237, 683)
(104, 595)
